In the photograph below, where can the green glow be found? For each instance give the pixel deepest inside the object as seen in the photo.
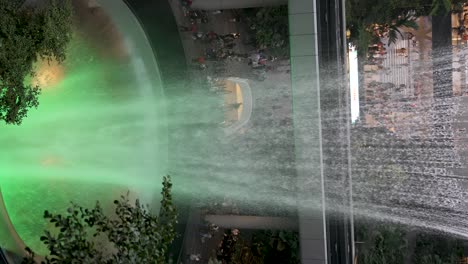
(95, 135)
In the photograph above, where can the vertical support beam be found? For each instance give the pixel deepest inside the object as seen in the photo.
(307, 131)
(442, 55)
(322, 130)
(336, 123)
(442, 65)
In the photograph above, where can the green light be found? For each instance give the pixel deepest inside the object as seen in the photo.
(95, 135)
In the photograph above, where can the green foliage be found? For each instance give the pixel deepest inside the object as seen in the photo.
(393, 29)
(383, 244)
(31, 258)
(437, 249)
(277, 246)
(432, 259)
(26, 34)
(266, 246)
(443, 7)
(271, 27)
(131, 235)
(366, 18)
(364, 38)
(214, 261)
(440, 7)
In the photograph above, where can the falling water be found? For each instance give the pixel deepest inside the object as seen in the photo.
(412, 169)
(103, 127)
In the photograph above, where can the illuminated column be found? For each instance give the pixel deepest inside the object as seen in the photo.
(237, 4)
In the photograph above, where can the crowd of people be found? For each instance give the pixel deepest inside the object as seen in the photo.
(221, 48)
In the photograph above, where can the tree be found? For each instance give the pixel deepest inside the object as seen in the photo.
(367, 20)
(381, 243)
(29, 33)
(437, 248)
(270, 26)
(277, 246)
(132, 235)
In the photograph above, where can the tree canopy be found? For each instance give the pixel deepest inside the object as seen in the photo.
(29, 33)
(368, 19)
(270, 26)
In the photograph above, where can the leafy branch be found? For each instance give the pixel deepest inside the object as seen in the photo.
(131, 235)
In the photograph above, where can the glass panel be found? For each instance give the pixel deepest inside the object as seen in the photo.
(407, 81)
